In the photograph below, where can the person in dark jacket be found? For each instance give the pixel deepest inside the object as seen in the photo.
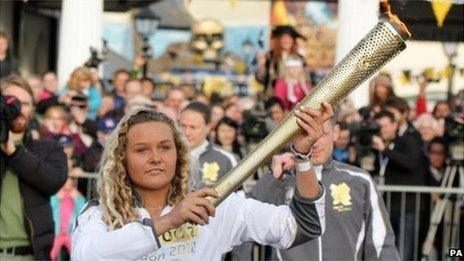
(91, 159)
(8, 64)
(31, 172)
(399, 162)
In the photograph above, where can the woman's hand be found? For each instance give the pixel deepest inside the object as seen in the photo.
(311, 122)
(195, 208)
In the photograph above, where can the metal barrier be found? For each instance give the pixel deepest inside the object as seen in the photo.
(419, 195)
(413, 201)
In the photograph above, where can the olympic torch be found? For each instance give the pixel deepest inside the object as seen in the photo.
(380, 45)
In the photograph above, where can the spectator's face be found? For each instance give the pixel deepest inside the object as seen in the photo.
(175, 100)
(195, 128)
(343, 139)
(277, 113)
(388, 128)
(217, 113)
(55, 121)
(442, 111)
(147, 89)
(226, 134)
(151, 156)
(50, 82)
(427, 132)
(323, 148)
(3, 45)
(294, 71)
(400, 118)
(119, 82)
(133, 89)
(382, 88)
(436, 155)
(286, 42)
(107, 105)
(27, 107)
(188, 91)
(37, 87)
(84, 85)
(234, 113)
(103, 137)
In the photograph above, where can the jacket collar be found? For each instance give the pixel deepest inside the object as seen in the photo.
(328, 165)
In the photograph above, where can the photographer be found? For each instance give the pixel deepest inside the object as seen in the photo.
(399, 162)
(31, 171)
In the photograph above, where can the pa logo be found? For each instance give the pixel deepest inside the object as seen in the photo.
(454, 252)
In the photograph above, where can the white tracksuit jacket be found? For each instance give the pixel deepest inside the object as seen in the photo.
(237, 220)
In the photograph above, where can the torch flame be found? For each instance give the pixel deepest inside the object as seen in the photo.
(386, 9)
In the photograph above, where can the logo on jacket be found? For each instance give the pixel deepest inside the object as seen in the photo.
(341, 197)
(210, 172)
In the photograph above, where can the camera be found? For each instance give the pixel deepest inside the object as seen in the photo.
(254, 126)
(78, 101)
(367, 130)
(10, 109)
(454, 134)
(95, 58)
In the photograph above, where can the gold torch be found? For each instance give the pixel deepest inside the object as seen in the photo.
(380, 45)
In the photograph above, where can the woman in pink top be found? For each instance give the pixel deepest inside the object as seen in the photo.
(294, 86)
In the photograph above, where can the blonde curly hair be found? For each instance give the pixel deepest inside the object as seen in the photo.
(80, 74)
(117, 195)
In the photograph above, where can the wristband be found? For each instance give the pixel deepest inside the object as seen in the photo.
(303, 166)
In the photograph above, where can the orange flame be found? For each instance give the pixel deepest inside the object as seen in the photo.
(386, 9)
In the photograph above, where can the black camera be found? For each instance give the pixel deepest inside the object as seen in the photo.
(95, 58)
(254, 126)
(367, 130)
(10, 109)
(454, 135)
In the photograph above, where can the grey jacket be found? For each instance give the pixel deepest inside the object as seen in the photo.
(358, 225)
(211, 165)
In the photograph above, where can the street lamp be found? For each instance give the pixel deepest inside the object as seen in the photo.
(451, 50)
(146, 23)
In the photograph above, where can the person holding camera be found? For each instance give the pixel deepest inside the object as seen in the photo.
(399, 162)
(31, 172)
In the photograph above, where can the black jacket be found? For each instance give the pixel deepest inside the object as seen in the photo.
(405, 162)
(405, 167)
(42, 170)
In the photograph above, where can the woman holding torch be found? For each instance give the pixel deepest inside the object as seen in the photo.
(145, 209)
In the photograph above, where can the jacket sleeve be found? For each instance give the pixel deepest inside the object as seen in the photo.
(405, 155)
(47, 175)
(379, 241)
(266, 224)
(269, 189)
(92, 240)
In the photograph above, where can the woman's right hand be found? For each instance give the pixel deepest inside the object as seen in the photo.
(195, 208)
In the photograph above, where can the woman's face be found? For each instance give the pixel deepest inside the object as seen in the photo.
(226, 134)
(294, 71)
(382, 88)
(286, 42)
(84, 84)
(151, 155)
